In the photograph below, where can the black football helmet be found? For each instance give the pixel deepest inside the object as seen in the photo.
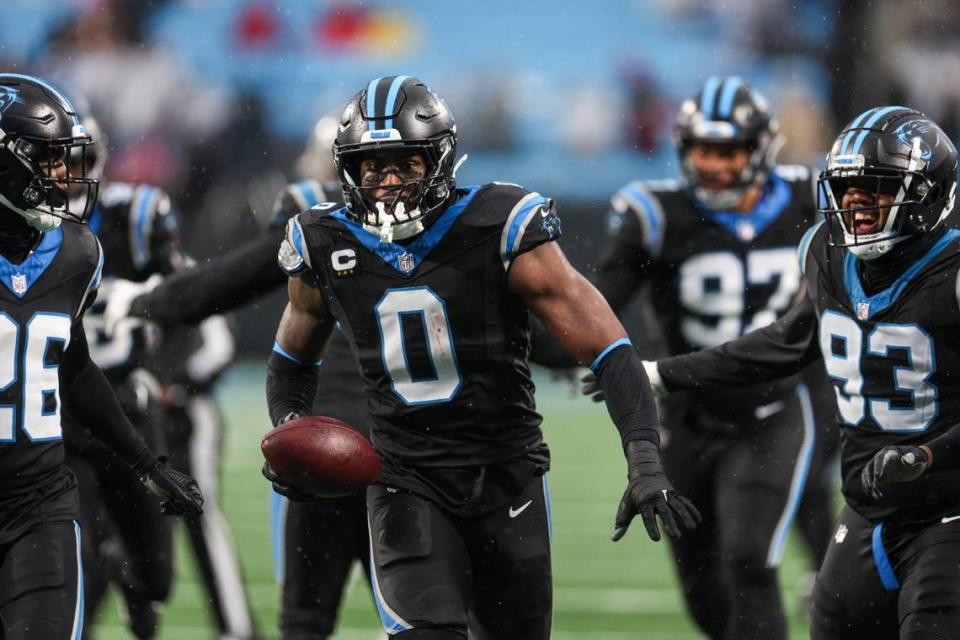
(727, 111)
(894, 151)
(396, 113)
(42, 154)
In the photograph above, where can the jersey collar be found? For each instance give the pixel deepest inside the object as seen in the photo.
(18, 278)
(405, 258)
(747, 226)
(864, 306)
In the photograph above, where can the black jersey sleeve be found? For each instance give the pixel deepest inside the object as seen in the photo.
(532, 221)
(779, 350)
(93, 282)
(246, 273)
(635, 227)
(88, 395)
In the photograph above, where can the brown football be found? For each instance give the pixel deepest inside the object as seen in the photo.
(321, 456)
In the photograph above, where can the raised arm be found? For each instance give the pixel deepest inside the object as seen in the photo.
(580, 319)
(779, 350)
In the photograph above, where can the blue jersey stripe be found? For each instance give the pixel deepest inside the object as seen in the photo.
(372, 103)
(278, 534)
(308, 192)
(883, 299)
(77, 632)
(513, 238)
(606, 351)
(804, 247)
(709, 96)
(728, 93)
(650, 213)
(392, 98)
(887, 577)
(142, 251)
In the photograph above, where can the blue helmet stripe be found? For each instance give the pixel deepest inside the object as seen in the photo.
(729, 92)
(392, 98)
(372, 103)
(869, 123)
(845, 147)
(709, 96)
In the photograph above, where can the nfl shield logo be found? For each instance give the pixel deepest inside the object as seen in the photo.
(406, 262)
(19, 284)
(863, 310)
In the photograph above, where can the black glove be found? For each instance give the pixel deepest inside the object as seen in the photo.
(892, 465)
(291, 493)
(179, 494)
(650, 494)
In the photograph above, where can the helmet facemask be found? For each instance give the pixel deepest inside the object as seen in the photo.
(48, 178)
(914, 204)
(398, 210)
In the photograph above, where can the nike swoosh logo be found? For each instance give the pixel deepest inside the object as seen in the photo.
(513, 513)
(950, 519)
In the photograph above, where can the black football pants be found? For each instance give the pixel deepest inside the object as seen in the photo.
(746, 479)
(880, 581)
(436, 571)
(41, 584)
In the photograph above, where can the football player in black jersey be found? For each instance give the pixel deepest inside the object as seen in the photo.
(718, 251)
(126, 540)
(431, 285)
(51, 272)
(882, 312)
(315, 542)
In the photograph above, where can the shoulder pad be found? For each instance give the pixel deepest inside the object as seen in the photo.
(293, 256)
(803, 249)
(792, 172)
(638, 200)
(115, 193)
(148, 205)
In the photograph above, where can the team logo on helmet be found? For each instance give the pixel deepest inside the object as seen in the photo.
(8, 96)
(917, 129)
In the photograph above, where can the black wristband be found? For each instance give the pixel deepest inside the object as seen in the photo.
(291, 386)
(627, 392)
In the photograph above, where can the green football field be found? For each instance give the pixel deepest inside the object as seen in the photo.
(603, 591)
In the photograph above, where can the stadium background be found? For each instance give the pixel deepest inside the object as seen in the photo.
(213, 100)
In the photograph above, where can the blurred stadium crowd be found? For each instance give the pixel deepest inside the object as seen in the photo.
(214, 100)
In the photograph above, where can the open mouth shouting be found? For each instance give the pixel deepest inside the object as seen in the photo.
(864, 222)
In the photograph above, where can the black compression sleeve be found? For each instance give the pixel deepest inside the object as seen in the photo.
(627, 392)
(779, 350)
(222, 284)
(291, 387)
(87, 395)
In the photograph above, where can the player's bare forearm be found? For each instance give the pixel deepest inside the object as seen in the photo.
(568, 305)
(306, 324)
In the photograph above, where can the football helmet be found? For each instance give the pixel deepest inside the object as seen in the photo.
(727, 111)
(895, 152)
(396, 113)
(43, 149)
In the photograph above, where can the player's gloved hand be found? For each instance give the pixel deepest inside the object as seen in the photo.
(119, 295)
(287, 491)
(591, 387)
(179, 494)
(892, 465)
(650, 493)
